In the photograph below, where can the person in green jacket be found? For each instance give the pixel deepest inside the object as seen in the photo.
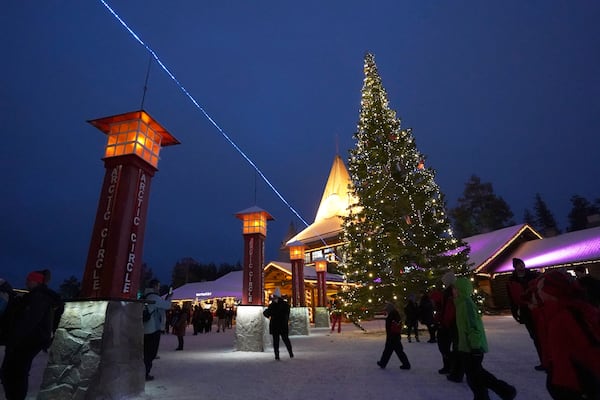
(472, 344)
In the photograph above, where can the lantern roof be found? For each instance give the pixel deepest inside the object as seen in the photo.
(252, 210)
(104, 124)
(295, 243)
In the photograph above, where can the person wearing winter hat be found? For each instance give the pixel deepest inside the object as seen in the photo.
(279, 314)
(472, 344)
(448, 278)
(517, 285)
(31, 333)
(569, 333)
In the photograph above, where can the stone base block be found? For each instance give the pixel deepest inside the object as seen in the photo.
(299, 321)
(251, 329)
(97, 352)
(322, 319)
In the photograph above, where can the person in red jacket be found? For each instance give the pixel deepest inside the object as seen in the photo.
(447, 334)
(569, 336)
(392, 339)
(336, 314)
(517, 285)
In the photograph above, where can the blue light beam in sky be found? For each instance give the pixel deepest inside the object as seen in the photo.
(193, 100)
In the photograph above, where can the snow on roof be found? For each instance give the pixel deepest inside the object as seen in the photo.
(319, 230)
(335, 203)
(229, 285)
(568, 249)
(487, 246)
(309, 271)
(252, 210)
(336, 198)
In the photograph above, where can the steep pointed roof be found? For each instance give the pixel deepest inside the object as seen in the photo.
(335, 203)
(336, 199)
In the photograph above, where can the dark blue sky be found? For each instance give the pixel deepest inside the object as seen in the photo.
(508, 91)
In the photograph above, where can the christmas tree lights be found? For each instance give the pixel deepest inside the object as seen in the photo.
(398, 237)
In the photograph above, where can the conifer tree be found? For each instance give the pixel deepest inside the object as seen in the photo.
(398, 236)
(544, 219)
(480, 210)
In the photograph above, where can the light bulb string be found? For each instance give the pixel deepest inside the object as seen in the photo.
(212, 121)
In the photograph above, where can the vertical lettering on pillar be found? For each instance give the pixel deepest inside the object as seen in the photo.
(250, 269)
(133, 247)
(297, 284)
(262, 273)
(108, 209)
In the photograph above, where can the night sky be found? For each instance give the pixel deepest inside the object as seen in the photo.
(508, 91)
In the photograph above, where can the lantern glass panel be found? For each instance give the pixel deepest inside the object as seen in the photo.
(321, 266)
(133, 137)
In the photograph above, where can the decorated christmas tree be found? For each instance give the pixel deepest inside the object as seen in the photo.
(399, 239)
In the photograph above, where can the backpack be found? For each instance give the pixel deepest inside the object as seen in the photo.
(7, 310)
(396, 327)
(146, 313)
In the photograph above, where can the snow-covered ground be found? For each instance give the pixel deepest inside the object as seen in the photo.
(329, 366)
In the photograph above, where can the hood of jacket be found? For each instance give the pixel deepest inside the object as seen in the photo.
(464, 288)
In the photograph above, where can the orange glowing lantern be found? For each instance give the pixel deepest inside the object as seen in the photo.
(134, 133)
(296, 250)
(321, 265)
(254, 220)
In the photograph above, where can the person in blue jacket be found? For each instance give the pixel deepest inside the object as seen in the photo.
(153, 327)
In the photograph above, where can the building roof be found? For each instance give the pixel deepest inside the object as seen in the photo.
(229, 285)
(319, 231)
(309, 272)
(252, 210)
(490, 253)
(486, 247)
(335, 204)
(569, 249)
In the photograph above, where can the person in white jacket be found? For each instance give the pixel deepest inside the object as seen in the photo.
(153, 327)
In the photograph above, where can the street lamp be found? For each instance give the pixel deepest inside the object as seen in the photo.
(113, 267)
(254, 230)
(297, 259)
(321, 269)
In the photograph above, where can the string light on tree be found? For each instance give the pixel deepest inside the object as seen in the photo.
(401, 207)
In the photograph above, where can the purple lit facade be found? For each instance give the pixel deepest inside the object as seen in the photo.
(559, 251)
(492, 253)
